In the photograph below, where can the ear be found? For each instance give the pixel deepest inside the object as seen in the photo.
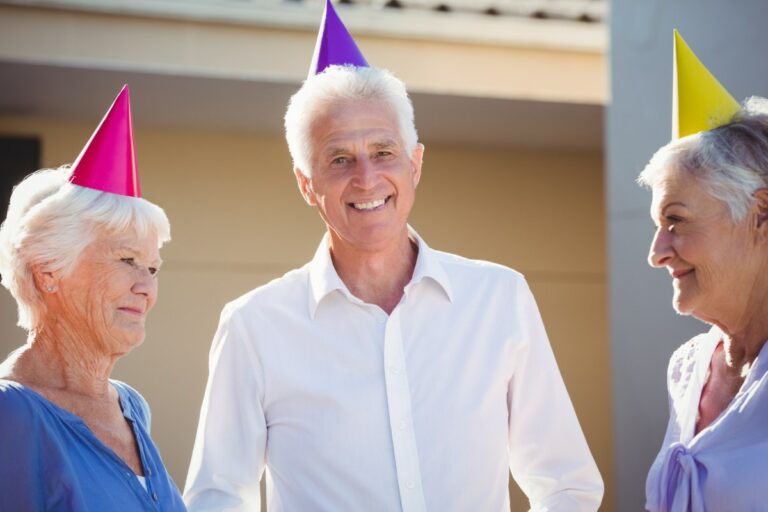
(305, 187)
(46, 281)
(761, 205)
(417, 157)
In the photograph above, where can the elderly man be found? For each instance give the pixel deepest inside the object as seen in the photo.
(383, 375)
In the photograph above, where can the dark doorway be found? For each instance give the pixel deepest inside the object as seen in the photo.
(19, 156)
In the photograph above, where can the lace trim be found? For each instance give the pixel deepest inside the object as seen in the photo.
(682, 366)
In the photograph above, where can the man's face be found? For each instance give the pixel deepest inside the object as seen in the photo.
(363, 181)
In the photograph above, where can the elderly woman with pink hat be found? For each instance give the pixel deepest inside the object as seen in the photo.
(79, 252)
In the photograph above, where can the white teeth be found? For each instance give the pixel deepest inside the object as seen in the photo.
(368, 206)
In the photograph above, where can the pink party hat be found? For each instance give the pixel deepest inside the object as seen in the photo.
(334, 44)
(108, 160)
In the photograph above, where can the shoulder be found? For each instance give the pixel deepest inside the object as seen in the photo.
(255, 314)
(28, 444)
(496, 292)
(290, 287)
(484, 282)
(138, 404)
(14, 396)
(20, 411)
(466, 269)
(682, 364)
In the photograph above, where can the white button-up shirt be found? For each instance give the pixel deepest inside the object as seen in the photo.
(351, 409)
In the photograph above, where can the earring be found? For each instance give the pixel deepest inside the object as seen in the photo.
(50, 289)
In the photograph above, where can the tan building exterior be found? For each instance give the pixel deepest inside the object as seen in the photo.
(510, 112)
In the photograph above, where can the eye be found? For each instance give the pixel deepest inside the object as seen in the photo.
(153, 270)
(671, 222)
(129, 261)
(340, 160)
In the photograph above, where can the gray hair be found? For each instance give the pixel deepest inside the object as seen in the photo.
(50, 222)
(338, 84)
(731, 160)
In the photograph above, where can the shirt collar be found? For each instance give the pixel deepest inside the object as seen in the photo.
(428, 266)
(323, 278)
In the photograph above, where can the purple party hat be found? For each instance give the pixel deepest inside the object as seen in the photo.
(334, 44)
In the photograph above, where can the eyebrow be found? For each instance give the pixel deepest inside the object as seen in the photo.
(333, 151)
(669, 205)
(129, 249)
(384, 144)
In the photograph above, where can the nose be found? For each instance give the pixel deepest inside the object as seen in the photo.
(146, 285)
(661, 251)
(366, 176)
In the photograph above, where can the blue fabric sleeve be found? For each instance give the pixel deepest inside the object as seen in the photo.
(20, 459)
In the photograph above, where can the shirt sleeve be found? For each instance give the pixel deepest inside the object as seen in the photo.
(21, 485)
(548, 454)
(228, 458)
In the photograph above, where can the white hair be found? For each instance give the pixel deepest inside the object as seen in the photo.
(50, 222)
(341, 84)
(731, 160)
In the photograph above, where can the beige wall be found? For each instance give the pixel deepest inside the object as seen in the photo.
(238, 221)
(504, 58)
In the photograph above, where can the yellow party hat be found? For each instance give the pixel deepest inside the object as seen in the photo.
(699, 101)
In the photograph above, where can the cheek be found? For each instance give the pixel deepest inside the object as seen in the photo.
(103, 277)
(720, 266)
(116, 284)
(407, 193)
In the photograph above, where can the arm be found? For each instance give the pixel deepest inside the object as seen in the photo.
(229, 454)
(21, 474)
(548, 455)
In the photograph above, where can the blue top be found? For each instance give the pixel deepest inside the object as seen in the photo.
(50, 459)
(724, 466)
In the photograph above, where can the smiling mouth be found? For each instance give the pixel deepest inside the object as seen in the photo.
(132, 311)
(678, 275)
(370, 205)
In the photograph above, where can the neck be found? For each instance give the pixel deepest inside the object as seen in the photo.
(741, 349)
(743, 338)
(376, 276)
(61, 358)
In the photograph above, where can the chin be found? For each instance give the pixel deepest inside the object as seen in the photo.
(374, 239)
(691, 308)
(131, 340)
(682, 306)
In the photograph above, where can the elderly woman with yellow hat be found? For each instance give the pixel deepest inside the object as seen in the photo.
(79, 251)
(710, 207)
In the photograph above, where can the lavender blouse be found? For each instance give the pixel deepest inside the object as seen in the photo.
(725, 466)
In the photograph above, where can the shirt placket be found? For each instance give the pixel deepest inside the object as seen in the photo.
(401, 418)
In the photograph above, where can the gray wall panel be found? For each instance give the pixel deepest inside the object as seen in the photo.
(730, 38)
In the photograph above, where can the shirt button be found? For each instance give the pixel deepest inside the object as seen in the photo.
(149, 472)
(410, 485)
(402, 425)
(394, 369)
(154, 496)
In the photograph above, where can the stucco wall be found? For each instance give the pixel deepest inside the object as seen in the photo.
(238, 222)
